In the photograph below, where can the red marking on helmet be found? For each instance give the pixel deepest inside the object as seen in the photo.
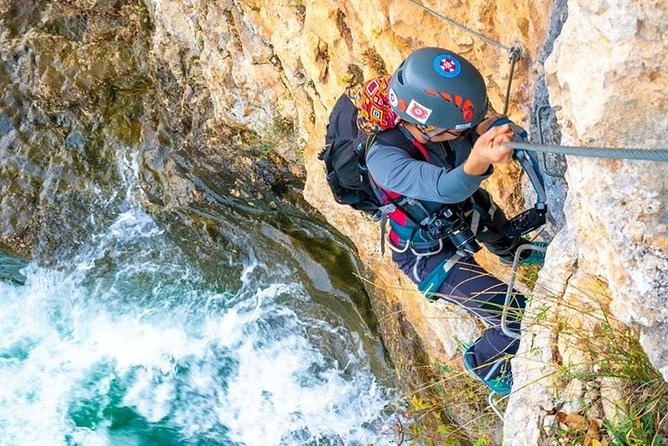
(431, 92)
(467, 104)
(445, 96)
(402, 105)
(458, 100)
(418, 111)
(467, 115)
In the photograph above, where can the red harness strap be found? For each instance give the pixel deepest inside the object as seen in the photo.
(399, 215)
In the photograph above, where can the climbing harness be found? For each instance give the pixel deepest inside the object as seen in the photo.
(436, 277)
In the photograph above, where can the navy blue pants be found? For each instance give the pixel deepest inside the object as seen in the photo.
(471, 287)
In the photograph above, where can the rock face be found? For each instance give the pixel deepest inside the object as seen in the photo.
(265, 66)
(70, 82)
(80, 83)
(262, 60)
(618, 215)
(608, 85)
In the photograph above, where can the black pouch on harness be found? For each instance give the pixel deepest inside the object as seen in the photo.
(343, 156)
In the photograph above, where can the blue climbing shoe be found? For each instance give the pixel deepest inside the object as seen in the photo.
(498, 378)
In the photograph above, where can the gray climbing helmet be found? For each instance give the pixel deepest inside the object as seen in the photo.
(439, 88)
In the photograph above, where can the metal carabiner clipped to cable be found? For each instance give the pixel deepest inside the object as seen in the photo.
(535, 217)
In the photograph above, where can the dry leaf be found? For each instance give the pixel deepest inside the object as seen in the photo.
(592, 435)
(573, 421)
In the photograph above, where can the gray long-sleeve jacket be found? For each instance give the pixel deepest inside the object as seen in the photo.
(440, 179)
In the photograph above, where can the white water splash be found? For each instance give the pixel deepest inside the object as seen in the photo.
(254, 373)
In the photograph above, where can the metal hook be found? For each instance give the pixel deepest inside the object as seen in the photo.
(539, 123)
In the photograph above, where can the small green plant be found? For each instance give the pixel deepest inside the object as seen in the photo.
(484, 440)
(264, 150)
(355, 74)
(283, 126)
(348, 79)
(637, 429)
(529, 274)
(281, 130)
(541, 313)
(376, 32)
(641, 403)
(452, 410)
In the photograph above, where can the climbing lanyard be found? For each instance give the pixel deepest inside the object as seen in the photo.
(533, 218)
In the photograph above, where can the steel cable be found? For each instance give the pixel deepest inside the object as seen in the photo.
(595, 152)
(496, 43)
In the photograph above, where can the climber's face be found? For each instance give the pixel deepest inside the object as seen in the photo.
(435, 134)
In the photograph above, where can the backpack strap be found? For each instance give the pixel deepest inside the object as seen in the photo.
(394, 202)
(396, 137)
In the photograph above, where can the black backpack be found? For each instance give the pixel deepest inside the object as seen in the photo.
(343, 155)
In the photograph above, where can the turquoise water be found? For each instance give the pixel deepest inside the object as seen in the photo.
(149, 334)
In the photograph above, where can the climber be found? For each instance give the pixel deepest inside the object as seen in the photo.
(437, 210)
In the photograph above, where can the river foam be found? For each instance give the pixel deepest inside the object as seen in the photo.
(123, 346)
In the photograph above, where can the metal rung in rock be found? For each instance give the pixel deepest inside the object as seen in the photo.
(509, 291)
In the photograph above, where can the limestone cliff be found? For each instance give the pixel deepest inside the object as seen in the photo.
(606, 77)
